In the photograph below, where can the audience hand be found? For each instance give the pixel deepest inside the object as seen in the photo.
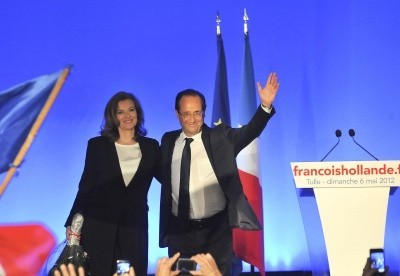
(368, 271)
(207, 264)
(69, 271)
(164, 266)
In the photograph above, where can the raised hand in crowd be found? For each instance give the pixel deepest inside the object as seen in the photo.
(164, 266)
(207, 264)
(69, 271)
(368, 271)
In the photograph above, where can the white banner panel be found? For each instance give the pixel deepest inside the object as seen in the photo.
(350, 174)
(352, 199)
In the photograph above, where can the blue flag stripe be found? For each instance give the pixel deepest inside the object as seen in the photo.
(248, 101)
(221, 112)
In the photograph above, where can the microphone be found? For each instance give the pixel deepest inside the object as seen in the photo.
(338, 133)
(352, 133)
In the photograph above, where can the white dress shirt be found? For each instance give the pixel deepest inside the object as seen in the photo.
(206, 196)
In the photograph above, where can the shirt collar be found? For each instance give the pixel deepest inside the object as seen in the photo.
(182, 137)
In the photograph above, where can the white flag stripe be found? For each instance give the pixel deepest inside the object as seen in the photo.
(247, 159)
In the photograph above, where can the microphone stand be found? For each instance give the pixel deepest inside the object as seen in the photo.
(338, 133)
(352, 133)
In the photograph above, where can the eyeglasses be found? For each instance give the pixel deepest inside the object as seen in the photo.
(187, 115)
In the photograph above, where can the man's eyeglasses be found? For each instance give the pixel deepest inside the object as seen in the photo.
(187, 115)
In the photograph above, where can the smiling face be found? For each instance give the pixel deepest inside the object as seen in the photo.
(190, 115)
(126, 115)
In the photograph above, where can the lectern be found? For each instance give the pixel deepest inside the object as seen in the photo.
(352, 199)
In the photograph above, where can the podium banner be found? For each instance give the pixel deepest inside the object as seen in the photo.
(350, 174)
(352, 199)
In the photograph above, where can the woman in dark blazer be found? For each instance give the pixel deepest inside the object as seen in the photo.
(112, 196)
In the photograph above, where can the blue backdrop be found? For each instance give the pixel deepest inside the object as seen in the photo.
(338, 63)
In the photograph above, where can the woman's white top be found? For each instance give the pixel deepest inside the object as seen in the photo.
(129, 158)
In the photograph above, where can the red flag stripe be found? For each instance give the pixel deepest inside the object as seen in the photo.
(248, 245)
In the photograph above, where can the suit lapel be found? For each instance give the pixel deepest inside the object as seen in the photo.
(205, 137)
(170, 148)
(114, 162)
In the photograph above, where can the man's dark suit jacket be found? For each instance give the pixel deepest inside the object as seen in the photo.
(222, 144)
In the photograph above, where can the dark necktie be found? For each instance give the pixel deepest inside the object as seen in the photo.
(184, 198)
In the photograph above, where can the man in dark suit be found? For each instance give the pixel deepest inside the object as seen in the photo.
(216, 202)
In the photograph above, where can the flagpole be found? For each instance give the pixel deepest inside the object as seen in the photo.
(34, 130)
(246, 32)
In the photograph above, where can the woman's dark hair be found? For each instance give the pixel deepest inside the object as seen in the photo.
(190, 92)
(110, 124)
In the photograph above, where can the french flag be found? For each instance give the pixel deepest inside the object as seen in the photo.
(249, 245)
